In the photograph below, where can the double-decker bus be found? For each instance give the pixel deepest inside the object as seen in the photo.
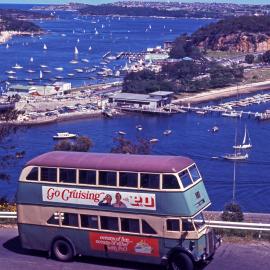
(146, 207)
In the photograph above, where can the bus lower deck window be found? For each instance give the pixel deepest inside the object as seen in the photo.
(48, 174)
(88, 221)
(147, 229)
(87, 177)
(173, 225)
(67, 176)
(170, 182)
(187, 225)
(53, 220)
(70, 219)
(185, 178)
(107, 178)
(130, 225)
(149, 180)
(109, 223)
(128, 179)
(33, 174)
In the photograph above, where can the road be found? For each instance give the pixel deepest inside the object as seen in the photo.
(233, 256)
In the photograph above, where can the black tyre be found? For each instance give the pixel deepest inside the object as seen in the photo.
(62, 250)
(181, 261)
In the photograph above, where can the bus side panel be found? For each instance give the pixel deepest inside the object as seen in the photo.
(186, 203)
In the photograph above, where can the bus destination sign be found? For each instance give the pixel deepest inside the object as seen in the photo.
(104, 198)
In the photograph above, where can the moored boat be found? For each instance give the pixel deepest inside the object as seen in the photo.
(64, 135)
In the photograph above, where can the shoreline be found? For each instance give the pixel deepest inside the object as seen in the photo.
(215, 94)
(5, 36)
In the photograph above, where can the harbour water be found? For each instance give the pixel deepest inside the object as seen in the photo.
(191, 135)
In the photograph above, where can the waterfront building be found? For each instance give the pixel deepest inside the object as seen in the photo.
(58, 88)
(148, 101)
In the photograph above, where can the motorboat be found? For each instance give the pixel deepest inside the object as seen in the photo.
(79, 70)
(73, 62)
(167, 132)
(59, 68)
(43, 66)
(153, 140)
(64, 135)
(236, 156)
(71, 74)
(10, 72)
(17, 66)
(85, 60)
(31, 71)
(139, 127)
(120, 132)
(215, 129)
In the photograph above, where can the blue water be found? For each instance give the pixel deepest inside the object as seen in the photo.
(114, 34)
(190, 136)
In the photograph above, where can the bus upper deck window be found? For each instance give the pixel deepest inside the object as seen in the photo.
(147, 229)
(170, 182)
(109, 223)
(107, 178)
(185, 178)
(128, 179)
(173, 225)
(194, 173)
(187, 225)
(130, 225)
(87, 177)
(33, 174)
(149, 180)
(67, 175)
(88, 221)
(48, 174)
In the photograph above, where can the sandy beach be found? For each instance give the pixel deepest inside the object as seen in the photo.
(219, 93)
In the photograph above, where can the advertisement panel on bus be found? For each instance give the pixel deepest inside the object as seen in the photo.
(144, 201)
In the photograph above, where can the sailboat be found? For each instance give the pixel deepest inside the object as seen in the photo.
(238, 153)
(246, 144)
(90, 48)
(45, 47)
(40, 74)
(76, 51)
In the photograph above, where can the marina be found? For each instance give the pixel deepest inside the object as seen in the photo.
(80, 112)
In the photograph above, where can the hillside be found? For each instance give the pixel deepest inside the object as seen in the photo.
(241, 34)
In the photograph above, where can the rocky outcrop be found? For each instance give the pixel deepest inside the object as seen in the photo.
(238, 42)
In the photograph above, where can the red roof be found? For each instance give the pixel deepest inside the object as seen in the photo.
(114, 162)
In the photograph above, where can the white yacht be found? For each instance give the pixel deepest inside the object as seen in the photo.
(73, 62)
(85, 60)
(236, 156)
(17, 66)
(167, 132)
(59, 68)
(64, 135)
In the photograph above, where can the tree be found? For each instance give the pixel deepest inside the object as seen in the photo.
(249, 58)
(184, 47)
(7, 127)
(123, 145)
(266, 57)
(232, 212)
(81, 144)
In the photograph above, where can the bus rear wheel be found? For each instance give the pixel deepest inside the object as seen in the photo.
(62, 250)
(181, 261)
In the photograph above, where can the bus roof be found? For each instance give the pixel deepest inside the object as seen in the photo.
(114, 162)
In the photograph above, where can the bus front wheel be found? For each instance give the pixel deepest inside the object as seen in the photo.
(62, 250)
(181, 261)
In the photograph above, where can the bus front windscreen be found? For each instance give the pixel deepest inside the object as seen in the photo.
(199, 221)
